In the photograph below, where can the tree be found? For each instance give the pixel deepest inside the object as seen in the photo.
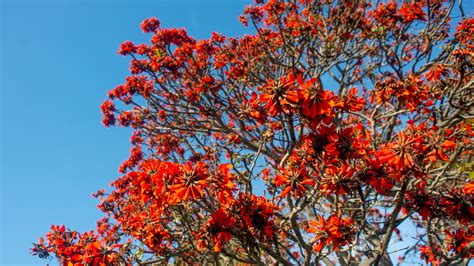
(315, 140)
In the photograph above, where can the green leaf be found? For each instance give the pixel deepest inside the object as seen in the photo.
(158, 52)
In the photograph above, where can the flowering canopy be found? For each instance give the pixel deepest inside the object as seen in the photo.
(312, 141)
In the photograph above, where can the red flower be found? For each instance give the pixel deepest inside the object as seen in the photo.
(340, 144)
(436, 72)
(219, 230)
(378, 177)
(281, 95)
(316, 101)
(293, 179)
(353, 102)
(398, 154)
(465, 31)
(334, 231)
(150, 24)
(108, 108)
(469, 189)
(338, 179)
(127, 48)
(190, 183)
(412, 11)
(257, 214)
(428, 255)
(224, 184)
(460, 240)
(125, 118)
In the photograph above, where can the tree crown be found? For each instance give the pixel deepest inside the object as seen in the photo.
(314, 140)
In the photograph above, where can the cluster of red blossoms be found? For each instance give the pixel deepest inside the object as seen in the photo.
(334, 230)
(72, 248)
(315, 140)
(165, 186)
(290, 94)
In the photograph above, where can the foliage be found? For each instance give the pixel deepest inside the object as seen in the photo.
(314, 140)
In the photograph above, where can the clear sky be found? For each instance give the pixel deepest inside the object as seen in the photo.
(58, 60)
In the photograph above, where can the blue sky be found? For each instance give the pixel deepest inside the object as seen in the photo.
(58, 60)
